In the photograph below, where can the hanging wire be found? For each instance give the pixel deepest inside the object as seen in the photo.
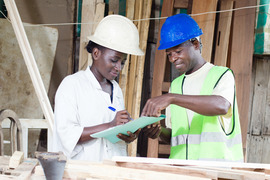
(146, 19)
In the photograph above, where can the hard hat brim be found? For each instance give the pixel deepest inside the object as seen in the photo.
(117, 47)
(177, 42)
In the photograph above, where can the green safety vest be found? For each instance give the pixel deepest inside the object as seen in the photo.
(205, 139)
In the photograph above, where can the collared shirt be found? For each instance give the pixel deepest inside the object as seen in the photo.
(80, 102)
(225, 88)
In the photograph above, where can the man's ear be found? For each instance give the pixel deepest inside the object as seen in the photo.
(196, 44)
(95, 53)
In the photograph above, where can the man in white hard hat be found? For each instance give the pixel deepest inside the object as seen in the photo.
(203, 121)
(91, 101)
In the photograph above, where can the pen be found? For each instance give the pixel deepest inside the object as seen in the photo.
(130, 117)
(113, 109)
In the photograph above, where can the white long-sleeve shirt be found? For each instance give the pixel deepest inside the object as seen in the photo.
(80, 102)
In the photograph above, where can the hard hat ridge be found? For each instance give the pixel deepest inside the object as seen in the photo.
(178, 29)
(118, 33)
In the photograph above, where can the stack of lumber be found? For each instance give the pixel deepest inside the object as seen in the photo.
(138, 168)
(131, 77)
(153, 168)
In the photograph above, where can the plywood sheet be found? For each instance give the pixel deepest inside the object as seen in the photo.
(17, 92)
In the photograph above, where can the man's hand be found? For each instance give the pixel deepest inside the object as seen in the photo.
(153, 130)
(154, 105)
(130, 137)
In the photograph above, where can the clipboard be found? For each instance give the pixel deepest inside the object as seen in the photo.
(131, 126)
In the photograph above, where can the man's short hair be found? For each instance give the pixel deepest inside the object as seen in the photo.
(198, 39)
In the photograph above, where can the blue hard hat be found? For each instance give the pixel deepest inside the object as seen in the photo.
(178, 29)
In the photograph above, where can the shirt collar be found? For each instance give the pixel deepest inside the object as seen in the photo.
(205, 66)
(93, 80)
(91, 77)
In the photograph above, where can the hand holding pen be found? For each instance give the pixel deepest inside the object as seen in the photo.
(123, 117)
(113, 109)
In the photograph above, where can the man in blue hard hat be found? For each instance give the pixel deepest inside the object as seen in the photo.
(201, 111)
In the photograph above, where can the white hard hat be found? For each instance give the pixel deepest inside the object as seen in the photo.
(118, 33)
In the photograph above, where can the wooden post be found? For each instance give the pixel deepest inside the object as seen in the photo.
(207, 23)
(223, 34)
(88, 15)
(159, 71)
(124, 75)
(241, 58)
(133, 95)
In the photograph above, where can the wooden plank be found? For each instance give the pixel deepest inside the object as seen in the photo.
(88, 16)
(266, 127)
(171, 169)
(164, 148)
(113, 6)
(130, 9)
(207, 23)
(260, 97)
(223, 35)
(265, 151)
(224, 173)
(241, 58)
(132, 83)
(255, 149)
(252, 94)
(133, 64)
(159, 71)
(23, 171)
(99, 15)
(30, 61)
(103, 171)
(16, 159)
(181, 4)
(143, 27)
(124, 75)
(179, 162)
(166, 86)
(143, 31)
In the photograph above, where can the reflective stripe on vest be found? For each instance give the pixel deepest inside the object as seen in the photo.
(206, 137)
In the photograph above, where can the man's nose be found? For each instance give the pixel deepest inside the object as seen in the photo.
(173, 57)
